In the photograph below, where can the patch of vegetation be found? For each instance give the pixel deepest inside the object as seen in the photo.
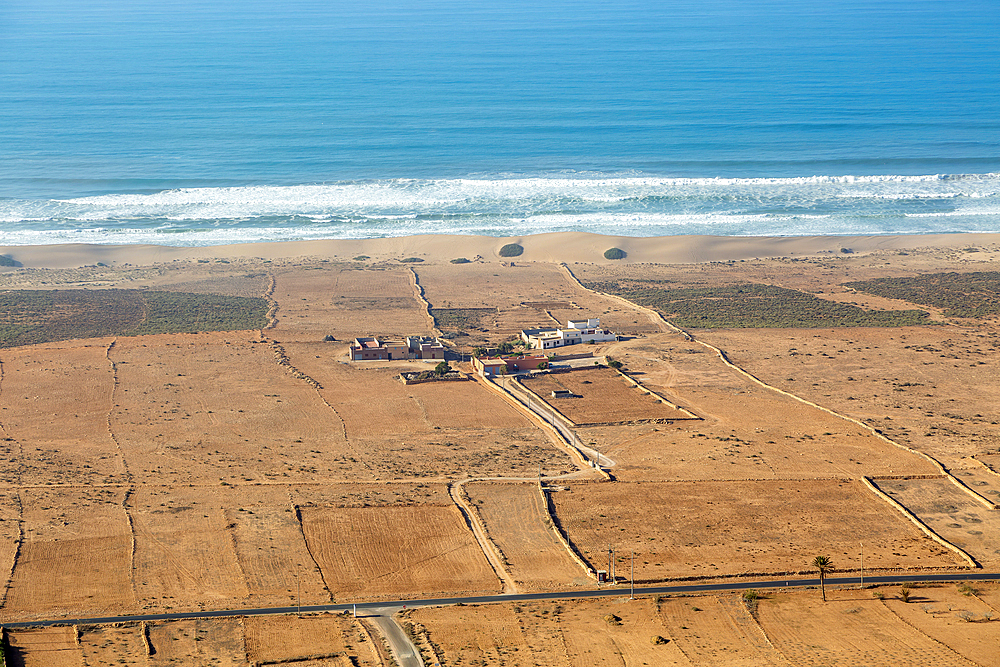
(613, 619)
(361, 258)
(957, 294)
(615, 253)
(28, 317)
(460, 260)
(7, 260)
(511, 250)
(658, 640)
(460, 318)
(753, 305)
(411, 260)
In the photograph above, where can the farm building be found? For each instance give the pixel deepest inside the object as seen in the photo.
(494, 366)
(382, 349)
(576, 331)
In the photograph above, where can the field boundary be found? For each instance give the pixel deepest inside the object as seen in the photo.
(555, 435)
(272, 312)
(494, 556)
(918, 523)
(17, 552)
(924, 634)
(753, 378)
(418, 290)
(305, 541)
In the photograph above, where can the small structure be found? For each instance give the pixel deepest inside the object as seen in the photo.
(383, 349)
(576, 331)
(494, 366)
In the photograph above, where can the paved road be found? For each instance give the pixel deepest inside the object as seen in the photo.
(372, 607)
(403, 650)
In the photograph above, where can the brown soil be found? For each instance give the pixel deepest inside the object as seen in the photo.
(287, 639)
(48, 647)
(518, 523)
(678, 529)
(369, 552)
(600, 395)
(952, 514)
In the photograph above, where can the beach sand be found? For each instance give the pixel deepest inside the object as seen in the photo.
(567, 247)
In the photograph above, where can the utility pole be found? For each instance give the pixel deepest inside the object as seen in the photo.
(862, 564)
(614, 579)
(631, 593)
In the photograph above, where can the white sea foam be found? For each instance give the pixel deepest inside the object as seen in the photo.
(641, 205)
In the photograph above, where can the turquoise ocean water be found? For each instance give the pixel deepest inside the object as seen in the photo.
(189, 122)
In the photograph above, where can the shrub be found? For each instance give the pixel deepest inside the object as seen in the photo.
(966, 589)
(410, 260)
(442, 368)
(904, 592)
(615, 253)
(613, 619)
(657, 640)
(460, 260)
(614, 363)
(511, 250)
(361, 258)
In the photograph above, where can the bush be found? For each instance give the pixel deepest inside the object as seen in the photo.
(442, 368)
(657, 640)
(615, 253)
(460, 260)
(904, 592)
(511, 250)
(361, 258)
(614, 363)
(613, 619)
(410, 260)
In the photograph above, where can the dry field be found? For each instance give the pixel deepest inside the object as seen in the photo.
(932, 388)
(55, 401)
(678, 529)
(601, 395)
(789, 628)
(381, 552)
(521, 293)
(517, 522)
(281, 639)
(75, 554)
(747, 432)
(952, 514)
(223, 400)
(853, 628)
(435, 429)
(317, 300)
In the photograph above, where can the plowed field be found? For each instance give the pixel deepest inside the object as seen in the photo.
(373, 552)
(718, 528)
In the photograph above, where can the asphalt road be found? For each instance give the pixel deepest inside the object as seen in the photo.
(374, 608)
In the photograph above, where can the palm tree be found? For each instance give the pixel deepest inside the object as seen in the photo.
(824, 565)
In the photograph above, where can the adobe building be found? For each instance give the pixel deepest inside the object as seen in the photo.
(383, 349)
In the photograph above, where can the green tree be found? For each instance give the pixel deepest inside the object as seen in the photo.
(824, 565)
(442, 368)
(478, 352)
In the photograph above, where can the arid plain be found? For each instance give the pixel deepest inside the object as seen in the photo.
(255, 468)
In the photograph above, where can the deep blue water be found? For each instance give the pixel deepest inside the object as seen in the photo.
(196, 122)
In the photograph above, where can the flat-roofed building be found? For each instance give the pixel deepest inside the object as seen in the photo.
(576, 331)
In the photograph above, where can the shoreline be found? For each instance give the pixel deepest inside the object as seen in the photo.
(570, 247)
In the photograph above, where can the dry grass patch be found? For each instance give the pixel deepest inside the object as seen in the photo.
(75, 556)
(273, 639)
(728, 528)
(518, 523)
(375, 552)
(600, 395)
(952, 514)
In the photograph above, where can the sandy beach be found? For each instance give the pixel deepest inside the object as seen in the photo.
(555, 247)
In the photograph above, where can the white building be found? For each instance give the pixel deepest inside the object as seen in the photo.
(578, 331)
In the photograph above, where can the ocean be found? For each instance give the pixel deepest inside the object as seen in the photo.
(195, 122)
